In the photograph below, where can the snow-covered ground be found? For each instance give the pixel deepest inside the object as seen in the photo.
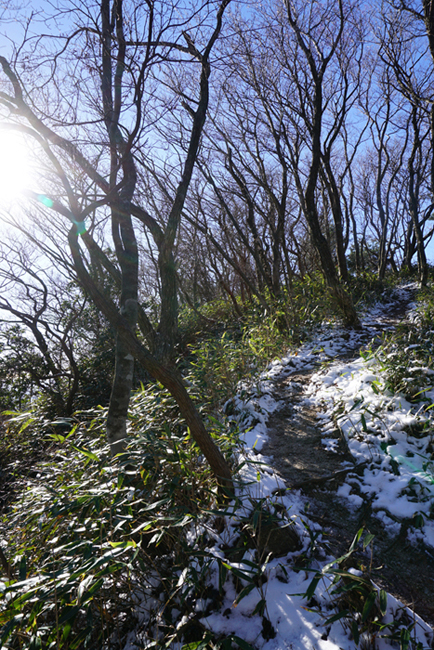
(286, 600)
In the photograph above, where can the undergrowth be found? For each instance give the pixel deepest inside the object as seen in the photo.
(216, 354)
(358, 604)
(89, 537)
(94, 547)
(405, 356)
(98, 548)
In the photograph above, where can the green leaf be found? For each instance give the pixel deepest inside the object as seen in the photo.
(355, 583)
(313, 585)
(363, 421)
(336, 617)
(23, 568)
(223, 571)
(244, 592)
(249, 577)
(56, 436)
(383, 601)
(367, 540)
(357, 402)
(355, 632)
(370, 601)
(418, 520)
(92, 590)
(356, 540)
(405, 639)
(69, 613)
(241, 643)
(155, 505)
(36, 610)
(123, 544)
(395, 466)
(8, 628)
(66, 630)
(26, 424)
(73, 430)
(260, 606)
(145, 525)
(198, 645)
(35, 643)
(86, 452)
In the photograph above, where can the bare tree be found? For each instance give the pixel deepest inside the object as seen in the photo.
(35, 298)
(407, 58)
(319, 32)
(262, 133)
(117, 64)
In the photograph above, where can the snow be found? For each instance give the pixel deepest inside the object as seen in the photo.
(375, 424)
(275, 614)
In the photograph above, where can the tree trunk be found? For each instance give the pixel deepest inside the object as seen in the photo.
(413, 192)
(342, 298)
(168, 377)
(340, 295)
(168, 327)
(382, 259)
(333, 192)
(116, 425)
(317, 70)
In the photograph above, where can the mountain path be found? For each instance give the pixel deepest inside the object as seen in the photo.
(295, 445)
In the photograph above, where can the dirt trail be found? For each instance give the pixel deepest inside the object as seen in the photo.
(294, 442)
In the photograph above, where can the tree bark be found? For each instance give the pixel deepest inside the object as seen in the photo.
(333, 192)
(413, 192)
(122, 227)
(168, 377)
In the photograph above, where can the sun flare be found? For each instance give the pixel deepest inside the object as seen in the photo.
(17, 173)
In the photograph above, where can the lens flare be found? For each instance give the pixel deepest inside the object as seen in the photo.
(16, 171)
(45, 200)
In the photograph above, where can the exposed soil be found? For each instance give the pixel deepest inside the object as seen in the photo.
(294, 442)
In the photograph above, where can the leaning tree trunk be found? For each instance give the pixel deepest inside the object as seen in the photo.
(168, 377)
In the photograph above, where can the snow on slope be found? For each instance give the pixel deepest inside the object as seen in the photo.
(264, 602)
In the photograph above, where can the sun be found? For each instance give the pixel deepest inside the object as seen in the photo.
(17, 170)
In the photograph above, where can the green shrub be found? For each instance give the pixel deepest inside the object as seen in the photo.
(359, 604)
(406, 354)
(218, 356)
(88, 533)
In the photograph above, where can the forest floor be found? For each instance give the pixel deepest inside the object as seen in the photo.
(335, 451)
(295, 444)
(333, 445)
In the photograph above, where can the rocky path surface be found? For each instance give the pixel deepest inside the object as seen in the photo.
(295, 445)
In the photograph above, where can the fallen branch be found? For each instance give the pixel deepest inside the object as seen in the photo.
(324, 479)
